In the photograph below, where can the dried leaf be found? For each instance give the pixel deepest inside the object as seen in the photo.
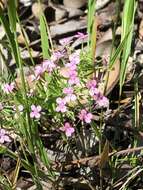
(141, 30)
(111, 77)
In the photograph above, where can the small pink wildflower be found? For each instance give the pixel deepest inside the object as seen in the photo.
(68, 129)
(91, 84)
(75, 58)
(35, 111)
(61, 105)
(38, 71)
(71, 74)
(85, 116)
(4, 137)
(94, 92)
(74, 80)
(69, 94)
(57, 55)
(102, 101)
(65, 41)
(71, 66)
(48, 65)
(8, 88)
(81, 35)
(68, 90)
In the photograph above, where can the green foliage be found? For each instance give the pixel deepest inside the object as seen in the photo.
(48, 87)
(127, 27)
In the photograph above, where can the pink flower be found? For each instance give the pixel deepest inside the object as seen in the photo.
(102, 101)
(81, 35)
(61, 105)
(35, 111)
(48, 66)
(75, 58)
(65, 41)
(68, 129)
(38, 71)
(8, 88)
(85, 116)
(94, 92)
(70, 98)
(74, 80)
(57, 55)
(3, 136)
(82, 114)
(71, 66)
(69, 92)
(88, 117)
(91, 84)
(69, 70)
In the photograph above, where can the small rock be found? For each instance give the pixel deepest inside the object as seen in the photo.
(74, 12)
(60, 13)
(74, 3)
(101, 3)
(70, 26)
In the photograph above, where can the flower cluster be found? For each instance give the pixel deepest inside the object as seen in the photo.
(46, 66)
(70, 71)
(65, 67)
(70, 96)
(62, 102)
(4, 137)
(101, 101)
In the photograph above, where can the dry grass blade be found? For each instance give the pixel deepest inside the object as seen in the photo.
(105, 154)
(131, 178)
(15, 174)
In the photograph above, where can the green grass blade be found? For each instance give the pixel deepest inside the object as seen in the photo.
(9, 34)
(127, 25)
(118, 51)
(12, 14)
(91, 14)
(44, 37)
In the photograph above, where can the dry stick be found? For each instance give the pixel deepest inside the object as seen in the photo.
(96, 159)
